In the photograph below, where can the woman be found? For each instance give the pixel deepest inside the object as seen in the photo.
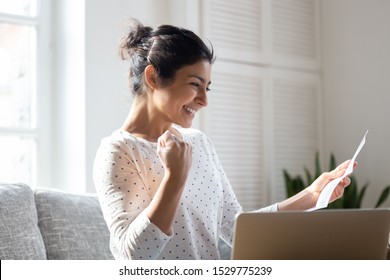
(162, 189)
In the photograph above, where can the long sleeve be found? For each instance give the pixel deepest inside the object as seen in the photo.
(271, 208)
(119, 176)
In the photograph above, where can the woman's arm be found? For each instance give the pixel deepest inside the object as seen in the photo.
(120, 185)
(176, 157)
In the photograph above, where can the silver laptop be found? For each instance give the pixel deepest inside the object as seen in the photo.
(324, 234)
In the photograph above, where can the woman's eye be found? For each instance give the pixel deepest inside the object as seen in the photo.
(195, 85)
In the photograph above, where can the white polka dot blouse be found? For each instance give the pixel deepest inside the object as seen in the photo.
(127, 172)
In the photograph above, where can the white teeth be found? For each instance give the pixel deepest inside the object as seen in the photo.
(190, 109)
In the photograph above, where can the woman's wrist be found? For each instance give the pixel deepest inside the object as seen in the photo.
(303, 200)
(175, 179)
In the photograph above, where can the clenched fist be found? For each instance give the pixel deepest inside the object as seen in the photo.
(175, 155)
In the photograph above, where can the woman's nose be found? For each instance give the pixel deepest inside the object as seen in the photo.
(202, 98)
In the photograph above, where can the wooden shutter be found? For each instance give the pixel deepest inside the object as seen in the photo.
(295, 33)
(237, 29)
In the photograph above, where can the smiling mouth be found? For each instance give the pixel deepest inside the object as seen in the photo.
(188, 109)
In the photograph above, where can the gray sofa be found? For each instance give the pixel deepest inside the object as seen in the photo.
(48, 224)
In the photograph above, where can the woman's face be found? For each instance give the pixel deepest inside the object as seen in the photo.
(180, 101)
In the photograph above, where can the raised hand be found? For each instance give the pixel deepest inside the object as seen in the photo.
(175, 155)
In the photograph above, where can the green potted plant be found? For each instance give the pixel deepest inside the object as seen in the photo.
(353, 195)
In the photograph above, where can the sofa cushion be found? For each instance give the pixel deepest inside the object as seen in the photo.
(72, 226)
(20, 238)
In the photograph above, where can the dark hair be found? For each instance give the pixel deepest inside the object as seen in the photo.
(168, 48)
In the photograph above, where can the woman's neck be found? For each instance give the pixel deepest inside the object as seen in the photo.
(141, 122)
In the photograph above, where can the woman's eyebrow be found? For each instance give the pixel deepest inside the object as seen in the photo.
(199, 78)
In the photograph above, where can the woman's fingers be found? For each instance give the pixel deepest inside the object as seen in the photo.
(326, 177)
(174, 152)
(345, 182)
(167, 140)
(340, 170)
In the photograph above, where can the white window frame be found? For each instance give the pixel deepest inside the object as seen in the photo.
(40, 132)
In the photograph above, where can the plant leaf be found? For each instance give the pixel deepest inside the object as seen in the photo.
(337, 204)
(383, 196)
(350, 194)
(309, 178)
(332, 162)
(288, 182)
(361, 195)
(318, 171)
(298, 184)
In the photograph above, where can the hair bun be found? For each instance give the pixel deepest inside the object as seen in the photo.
(136, 41)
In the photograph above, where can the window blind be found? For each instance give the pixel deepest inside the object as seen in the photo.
(236, 28)
(295, 33)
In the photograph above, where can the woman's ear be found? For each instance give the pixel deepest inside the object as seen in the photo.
(150, 76)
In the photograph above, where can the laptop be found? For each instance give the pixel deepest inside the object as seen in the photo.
(319, 235)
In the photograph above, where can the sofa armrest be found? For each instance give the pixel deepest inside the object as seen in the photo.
(20, 238)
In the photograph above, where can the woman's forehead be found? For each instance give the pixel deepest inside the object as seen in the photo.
(200, 70)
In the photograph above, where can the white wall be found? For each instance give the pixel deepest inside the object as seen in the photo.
(356, 60)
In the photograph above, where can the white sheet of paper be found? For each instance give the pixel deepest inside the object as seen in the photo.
(323, 199)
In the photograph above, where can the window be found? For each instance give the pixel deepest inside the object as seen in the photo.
(21, 36)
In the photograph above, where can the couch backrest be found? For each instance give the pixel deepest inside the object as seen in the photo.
(72, 226)
(20, 238)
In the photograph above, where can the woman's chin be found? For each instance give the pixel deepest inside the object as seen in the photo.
(185, 124)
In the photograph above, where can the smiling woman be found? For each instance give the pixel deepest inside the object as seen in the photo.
(162, 188)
